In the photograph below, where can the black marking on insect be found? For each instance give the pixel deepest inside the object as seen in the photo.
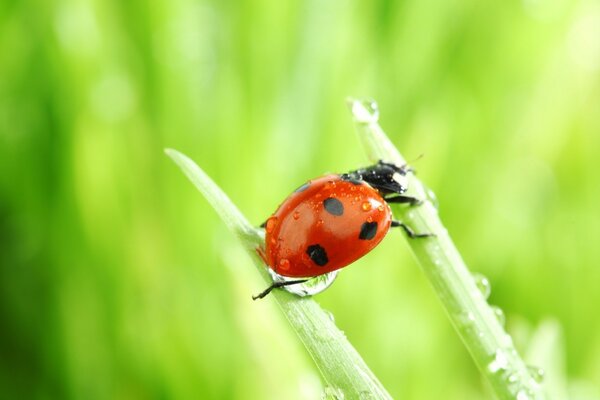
(302, 188)
(351, 179)
(368, 231)
(317, 254)
(333, 206)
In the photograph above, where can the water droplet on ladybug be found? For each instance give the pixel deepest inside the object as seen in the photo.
(284, 264)
(366, 206)
(271, 222)
(381, 208)
(369, 219)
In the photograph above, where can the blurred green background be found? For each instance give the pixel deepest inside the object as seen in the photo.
(118, 281)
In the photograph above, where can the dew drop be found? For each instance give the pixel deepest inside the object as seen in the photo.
(270, 225)
(381, 208)
(284, 264)
(537, 373)
(331, 317)
(499, 315)
(499, 363)
(483, 284)
(430, 194)
(366, 206)
(466, 318)
(309, 288)
(365, 111)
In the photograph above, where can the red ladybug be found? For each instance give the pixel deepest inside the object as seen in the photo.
(331, 221)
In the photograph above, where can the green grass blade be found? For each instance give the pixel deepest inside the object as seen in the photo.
(491, 347)
(340, 365)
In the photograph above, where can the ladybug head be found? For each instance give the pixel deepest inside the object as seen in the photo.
(386, 177)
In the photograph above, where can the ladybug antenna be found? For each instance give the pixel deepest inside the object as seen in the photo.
(416, 159)
(407, 167)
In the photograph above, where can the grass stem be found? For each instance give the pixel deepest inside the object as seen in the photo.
(342, 368)
(479, 328)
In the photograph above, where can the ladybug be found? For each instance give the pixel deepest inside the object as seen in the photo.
(331, 221)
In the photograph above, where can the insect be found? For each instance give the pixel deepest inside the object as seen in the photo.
(331, 221)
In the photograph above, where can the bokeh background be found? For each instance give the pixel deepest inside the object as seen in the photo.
(117, 280)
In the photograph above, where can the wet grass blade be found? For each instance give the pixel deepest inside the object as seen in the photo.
(483, 335)
(340, 365)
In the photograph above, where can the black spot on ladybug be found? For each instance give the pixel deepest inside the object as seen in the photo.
(317, 254)
(302, 188)
(368, 231)
(333, 206)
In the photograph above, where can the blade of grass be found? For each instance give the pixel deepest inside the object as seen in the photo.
(483, 335)
(340, 365)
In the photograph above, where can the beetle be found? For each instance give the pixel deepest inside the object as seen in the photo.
(333, 220)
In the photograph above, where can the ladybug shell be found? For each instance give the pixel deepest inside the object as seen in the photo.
(325, 225)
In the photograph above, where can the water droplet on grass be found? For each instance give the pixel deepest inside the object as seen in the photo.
(537, 373)
(483, 284)
(466, 318)
(430, 194)
(499, 363)
(365, 111)
(309, 288)
(331, 316)
(499, 315)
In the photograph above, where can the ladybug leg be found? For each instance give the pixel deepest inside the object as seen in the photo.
(261, 253)
(400, 199)
(410, 232)
(276, 285)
